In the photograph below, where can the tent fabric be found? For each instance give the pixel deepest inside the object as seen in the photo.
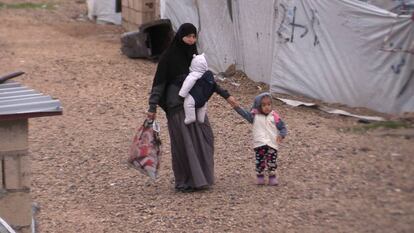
(255, 37)
(396, 6)
(104, 11)
(179, 12)
(344, 51)
(214, 37)
(348, 60)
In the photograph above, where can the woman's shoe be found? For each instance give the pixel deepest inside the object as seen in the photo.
(184, 189)
(188, 189)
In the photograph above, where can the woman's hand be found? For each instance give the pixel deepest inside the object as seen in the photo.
(151, 115)
(232, 101)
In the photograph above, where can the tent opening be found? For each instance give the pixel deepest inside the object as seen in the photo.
(150, 41)
(159, 38)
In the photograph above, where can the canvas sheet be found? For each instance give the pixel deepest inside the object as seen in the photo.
(345, 51)
(213, 20)
(396, 6)
(103, 11)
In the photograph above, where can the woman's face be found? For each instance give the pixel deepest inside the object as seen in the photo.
(190, 39)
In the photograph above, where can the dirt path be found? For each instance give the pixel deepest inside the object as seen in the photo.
(332, 180)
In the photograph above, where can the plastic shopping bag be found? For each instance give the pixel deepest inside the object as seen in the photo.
(145, 150)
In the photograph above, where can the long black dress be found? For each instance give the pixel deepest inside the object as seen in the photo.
(192, 146)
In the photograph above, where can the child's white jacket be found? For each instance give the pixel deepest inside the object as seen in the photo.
(265, 131)
(266, 128)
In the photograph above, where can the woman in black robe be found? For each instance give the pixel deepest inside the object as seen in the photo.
(192, 146)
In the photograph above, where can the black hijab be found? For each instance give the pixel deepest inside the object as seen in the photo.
(178, 43)
(172, 68)
(176, 60)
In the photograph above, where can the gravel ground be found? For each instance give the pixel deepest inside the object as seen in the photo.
(332, 179)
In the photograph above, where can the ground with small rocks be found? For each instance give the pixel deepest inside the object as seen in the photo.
(332, 178)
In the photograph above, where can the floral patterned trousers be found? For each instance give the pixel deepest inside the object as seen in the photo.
(265, 158)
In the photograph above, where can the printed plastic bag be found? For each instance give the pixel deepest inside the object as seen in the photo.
(145, 151)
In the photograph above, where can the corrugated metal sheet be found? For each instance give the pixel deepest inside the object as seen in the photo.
(16, 99)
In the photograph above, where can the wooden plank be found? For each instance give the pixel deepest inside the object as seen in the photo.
(13, 134)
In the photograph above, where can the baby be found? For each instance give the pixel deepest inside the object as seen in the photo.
(194, 100)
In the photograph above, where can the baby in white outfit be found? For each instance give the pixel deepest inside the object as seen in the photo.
(197, 68)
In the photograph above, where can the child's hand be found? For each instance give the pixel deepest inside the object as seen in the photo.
(279, 139)
(232, 101)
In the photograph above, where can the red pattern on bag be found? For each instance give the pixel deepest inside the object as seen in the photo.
(145, 150)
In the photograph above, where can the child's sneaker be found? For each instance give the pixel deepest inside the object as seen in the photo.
(273, 181)
(260, 180)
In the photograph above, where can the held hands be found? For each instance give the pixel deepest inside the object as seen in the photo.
(151, 115)
(232, 101)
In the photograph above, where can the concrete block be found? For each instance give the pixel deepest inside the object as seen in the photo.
(144, 17)
(144, 5)
(15, 208)
(124, 14)
(157, 13)
(125, 3)
(124, 24)
(135, 27)
(12, 172)
(148, 16)
(25, 171)
(132, 15)
(15, 169)
(139, 19)
(14, 135)
(27, 229)
(148, 5)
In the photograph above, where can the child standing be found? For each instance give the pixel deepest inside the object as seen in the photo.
(268, 132)
(197, 68)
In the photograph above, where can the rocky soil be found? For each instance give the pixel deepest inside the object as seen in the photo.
(333, 178)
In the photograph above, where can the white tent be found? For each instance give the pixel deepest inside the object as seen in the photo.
(344, 51)
(396, 6)
(104, 11)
